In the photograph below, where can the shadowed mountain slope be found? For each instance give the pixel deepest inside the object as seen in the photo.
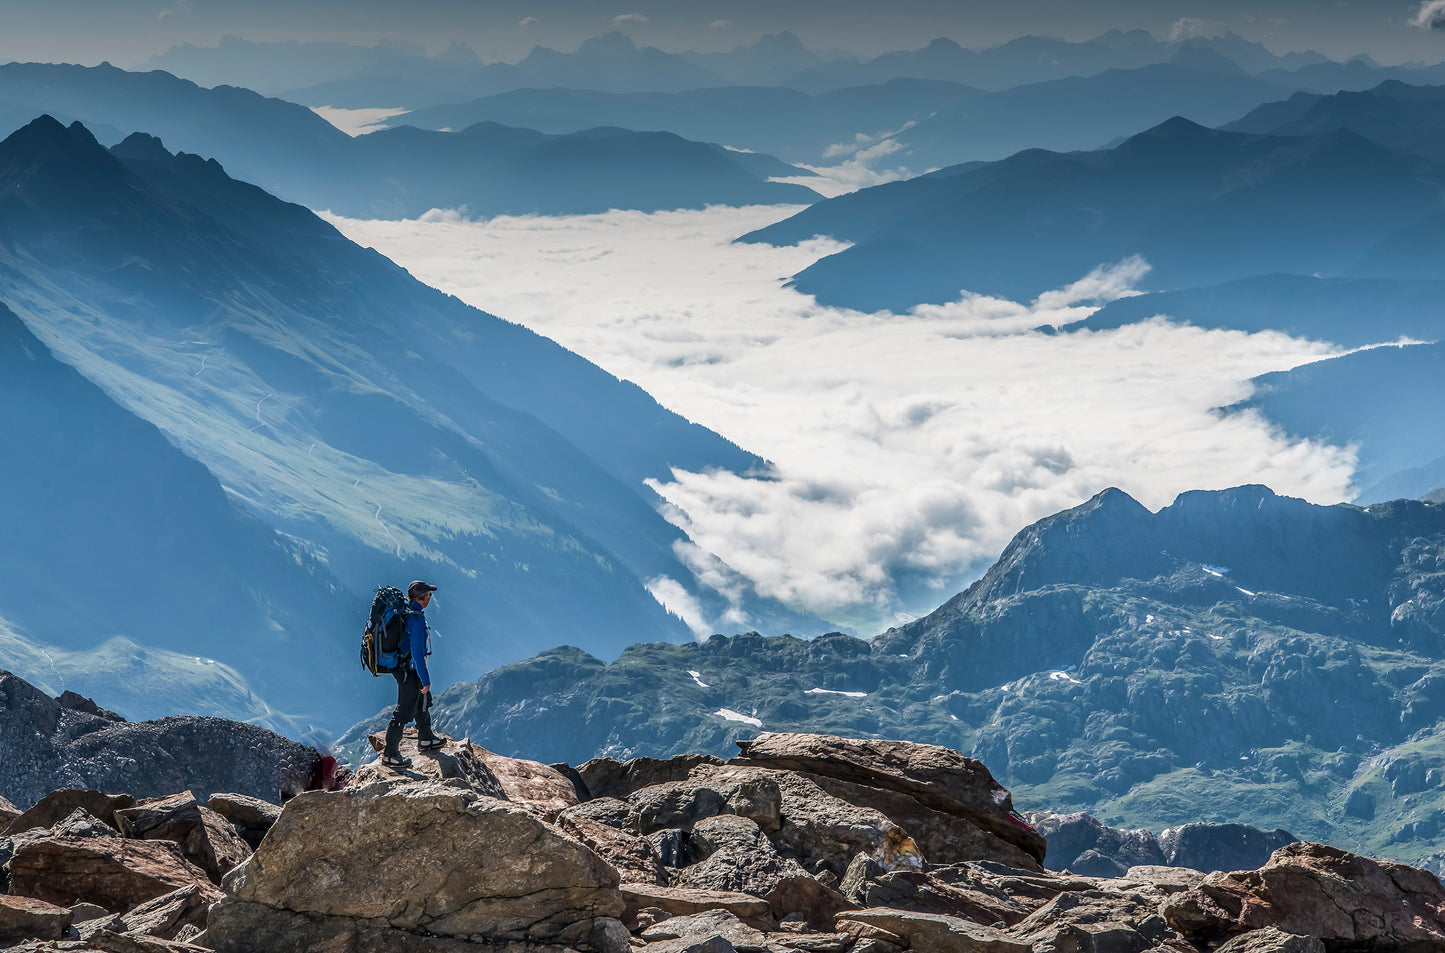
(389, 430)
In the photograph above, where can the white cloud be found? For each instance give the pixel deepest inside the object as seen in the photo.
(625, 18)
(906, 449)
(1430, 16)
(356, 122)
(674, 597)
(719, 24)
(528, 21)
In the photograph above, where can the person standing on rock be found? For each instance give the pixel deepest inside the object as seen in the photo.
(413, 682)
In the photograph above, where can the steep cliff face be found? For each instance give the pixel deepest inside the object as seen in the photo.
(1237, 656)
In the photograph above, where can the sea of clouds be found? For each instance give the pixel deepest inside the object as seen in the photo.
(906, 449)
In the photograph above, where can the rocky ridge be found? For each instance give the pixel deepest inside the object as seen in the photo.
(802, 844)
(1236, 657)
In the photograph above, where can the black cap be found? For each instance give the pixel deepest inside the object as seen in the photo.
(418, 588)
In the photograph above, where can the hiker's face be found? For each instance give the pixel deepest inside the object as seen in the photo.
(424, 599)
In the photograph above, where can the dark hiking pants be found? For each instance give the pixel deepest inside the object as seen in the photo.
(410, 705)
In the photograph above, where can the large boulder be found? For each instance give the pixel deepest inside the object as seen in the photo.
(605, 777)
(52, 745)
(635, 858)
(936, 933)
(680, 902)
(1118, 922)
(1343, 899)
(1211, 847)
(738, 857)
(206, 838)
(112, 872)
(167, 915)
(58, 805)
(415, 866)
(1083, 844)
(26, 918)
(454, 761)
(936, 778)
(538, 787)
(1270, 940)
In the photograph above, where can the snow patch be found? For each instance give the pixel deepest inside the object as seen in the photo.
(697, 677)
(1245, 591)
(1064, 677)
(730, 715)
(1214, 570)
(829, 691)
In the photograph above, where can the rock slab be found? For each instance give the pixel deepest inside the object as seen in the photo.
(368, 866)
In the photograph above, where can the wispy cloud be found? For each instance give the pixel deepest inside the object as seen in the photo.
(1430, 16)
(860, 169)
(719, 24)
(527, 21)
(907, 449)
(626, 18)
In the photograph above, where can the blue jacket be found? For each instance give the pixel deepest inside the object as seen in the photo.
(416, 639)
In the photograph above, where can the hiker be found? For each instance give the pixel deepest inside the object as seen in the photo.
(413, 683)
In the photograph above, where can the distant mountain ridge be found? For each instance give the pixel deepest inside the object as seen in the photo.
(1235, 655)
(294, 153)
(1200, 205)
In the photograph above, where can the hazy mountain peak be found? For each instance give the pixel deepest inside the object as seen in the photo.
(1200, 55)
(45, 144)
(612, 45)
(142, 146)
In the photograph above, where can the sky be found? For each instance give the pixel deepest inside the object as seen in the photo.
(907, 449)
(127, 32)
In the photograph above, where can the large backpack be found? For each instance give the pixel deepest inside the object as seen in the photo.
(383, 643)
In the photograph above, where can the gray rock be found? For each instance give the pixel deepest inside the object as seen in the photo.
(673, 847)
(614, 812)
(756, 870)
(206, 838)
(676, 804)
(508, 876)
(1270, 940)
(69, 748)
(605, 777)
(26, 918)
(111, 872)
(1211, 847)
(56, 806)
(691, 944)
(1166, 879)
(635, 858)
(81, 823)
(709, 923)
(244, 810)
(935, 933)
(760, 800)
(862, 869)
(1083, 844)
(937, 778)
(166, 915)
(1107, 922)
(728, 832)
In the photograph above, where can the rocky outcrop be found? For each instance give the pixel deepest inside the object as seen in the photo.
(939, 780)
(26, 918)
(539, 788)
(57, 805)
(1347, 901)
(113, 872)
(52, 745)
(456, 865)
(206, 838)
(1081, 843)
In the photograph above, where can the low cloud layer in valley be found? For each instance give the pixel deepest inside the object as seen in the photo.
(906, 449)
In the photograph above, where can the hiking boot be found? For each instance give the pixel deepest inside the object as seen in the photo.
(430, 744)
(395, 761)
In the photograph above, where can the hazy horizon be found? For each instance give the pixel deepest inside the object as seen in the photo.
(128, 33)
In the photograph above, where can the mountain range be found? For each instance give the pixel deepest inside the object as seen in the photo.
(1235, 656)
(1201, 205)
(392, 74)
(360, 423)
(295, 154)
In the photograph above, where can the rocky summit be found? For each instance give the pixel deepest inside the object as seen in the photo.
(802, 843)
